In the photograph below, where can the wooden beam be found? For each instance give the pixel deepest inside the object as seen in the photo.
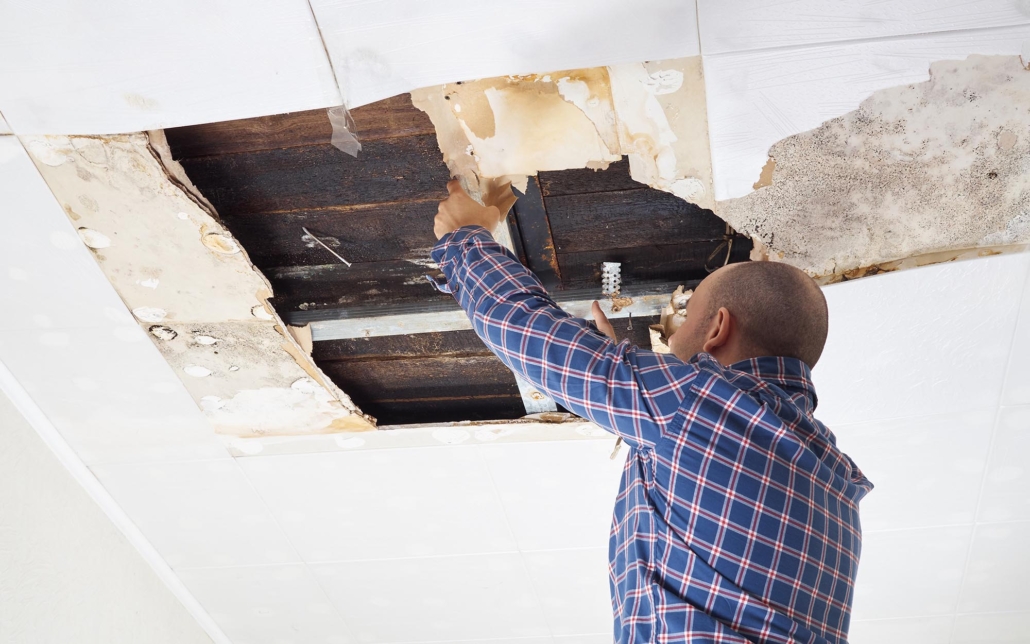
(677, 262)
(628, 219)
(320, 176)
(365, 233)
(585, 180)
(535, 230)
(306, 293)
(389, 118)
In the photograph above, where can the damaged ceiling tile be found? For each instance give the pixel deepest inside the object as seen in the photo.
(190, 286)
(939, 169)
(514, 126)
(663, 126)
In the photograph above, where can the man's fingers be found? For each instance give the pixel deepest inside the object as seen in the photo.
(454, 186)
(601, 320)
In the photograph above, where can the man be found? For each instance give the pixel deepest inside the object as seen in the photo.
(737, 517)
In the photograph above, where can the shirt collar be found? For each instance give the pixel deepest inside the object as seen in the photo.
(789, 374)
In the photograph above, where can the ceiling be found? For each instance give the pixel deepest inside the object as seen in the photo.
(487, 532)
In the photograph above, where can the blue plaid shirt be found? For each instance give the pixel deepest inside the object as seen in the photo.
(737, 516)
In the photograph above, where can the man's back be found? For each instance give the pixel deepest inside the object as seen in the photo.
(737, 520)
(740, 522)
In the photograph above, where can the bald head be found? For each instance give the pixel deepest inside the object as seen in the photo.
(779, 310)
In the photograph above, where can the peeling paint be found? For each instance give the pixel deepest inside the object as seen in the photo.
(663, 126)
(209, 318)
(935, 170)
(509, 127)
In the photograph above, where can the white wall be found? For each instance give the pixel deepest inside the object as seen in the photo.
(66, 573)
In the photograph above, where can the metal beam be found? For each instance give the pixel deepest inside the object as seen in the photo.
(413, 321)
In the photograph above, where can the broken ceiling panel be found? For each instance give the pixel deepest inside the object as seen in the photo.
(394, 46)
(270, 178)
(519, 125)
(937, 166)
(757, 98)
(190, 287)
(653, 112)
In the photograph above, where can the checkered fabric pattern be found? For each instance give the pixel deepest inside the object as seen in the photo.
(737, 518)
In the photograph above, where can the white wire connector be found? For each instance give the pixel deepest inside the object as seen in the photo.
(611, 278)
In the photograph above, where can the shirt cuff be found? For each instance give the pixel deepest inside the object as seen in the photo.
(448, 253)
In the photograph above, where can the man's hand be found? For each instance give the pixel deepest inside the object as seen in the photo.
(459, 209)
(601, 321)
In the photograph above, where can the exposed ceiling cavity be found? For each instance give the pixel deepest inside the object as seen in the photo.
(401, 350)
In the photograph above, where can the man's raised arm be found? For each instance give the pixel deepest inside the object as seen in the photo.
(633, 392)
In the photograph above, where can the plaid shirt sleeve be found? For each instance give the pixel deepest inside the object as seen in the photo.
(630, 391)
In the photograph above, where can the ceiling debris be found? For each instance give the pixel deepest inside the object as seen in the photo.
(918, 174)
(190, 286)
(515, 126)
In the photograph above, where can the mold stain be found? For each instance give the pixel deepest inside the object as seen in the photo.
(916, 171)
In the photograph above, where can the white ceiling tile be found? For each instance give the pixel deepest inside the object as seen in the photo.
(267, 604)
(754, 24)
(549, 502)
(919, 342)
(474, 597)
(123, 66)
(906, 630)
(421, 502)
(1006, 488)
(757, 98)
(594, 638)
(573, 589)
(4, 128)
(910, 573)
(198, 513)
(394, 46)
(47, 275)
(1017, 380)
(926, 470)
(999, 566)
(990, 628)
(110, 394)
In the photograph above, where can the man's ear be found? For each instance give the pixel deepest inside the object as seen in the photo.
(719, 330)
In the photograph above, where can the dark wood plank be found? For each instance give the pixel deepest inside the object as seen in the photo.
(672, 263)
(391, 117)
(335, 286)
(320, 176)
(457, 378)
(585, 180)
(444, 410)
(535, 233)
(450, 344)
(628, 219)
(373, 233)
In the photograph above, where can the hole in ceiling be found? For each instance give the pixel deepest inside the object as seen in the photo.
(270, 178)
